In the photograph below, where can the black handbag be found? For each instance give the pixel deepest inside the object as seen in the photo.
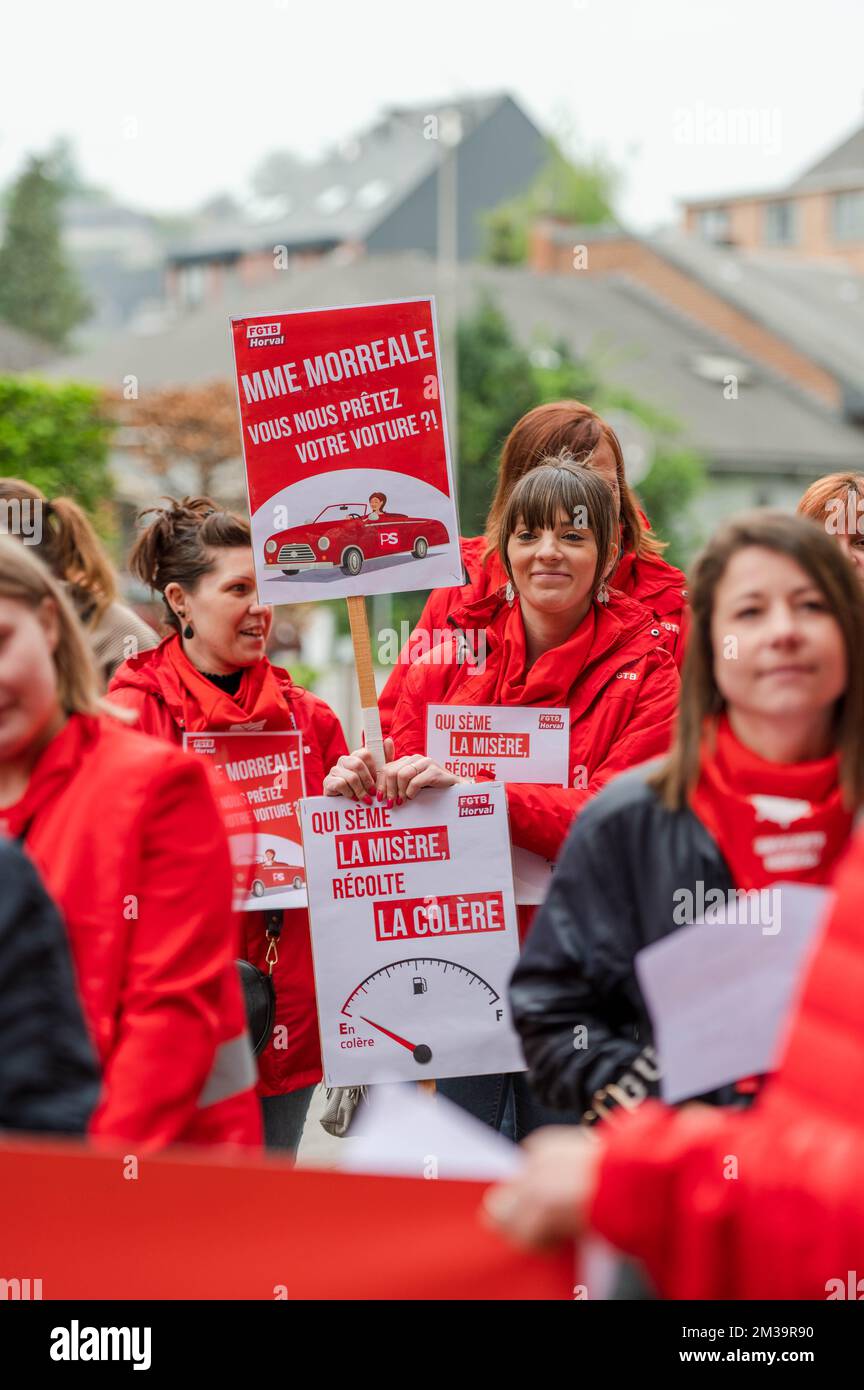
(259, 993)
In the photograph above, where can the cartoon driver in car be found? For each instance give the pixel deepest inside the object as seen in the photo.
(377, 503)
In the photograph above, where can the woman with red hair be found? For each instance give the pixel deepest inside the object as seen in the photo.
(836, 502)
(561, 427)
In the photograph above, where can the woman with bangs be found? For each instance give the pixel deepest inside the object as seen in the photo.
(549, 431)
(554, 635)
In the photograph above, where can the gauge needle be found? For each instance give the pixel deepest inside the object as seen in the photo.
(421, 1052)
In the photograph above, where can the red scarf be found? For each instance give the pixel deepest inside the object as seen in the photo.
(259, 702)
(504, 679)
(774, 822)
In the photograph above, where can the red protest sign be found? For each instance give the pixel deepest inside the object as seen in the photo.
(345, 445)
(266, 770)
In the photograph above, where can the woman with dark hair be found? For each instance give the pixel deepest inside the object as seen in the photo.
(61, 534)
(763, 780)
(547, 431)
(557, 635)
(656, 1185)
(104, 815)
(836, 502)
(211, 674)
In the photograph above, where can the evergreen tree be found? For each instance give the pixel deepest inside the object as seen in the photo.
(39, 290)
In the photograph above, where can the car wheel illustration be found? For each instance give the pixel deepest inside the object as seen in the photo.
(298, 882)
(258, 888)
(352, 560)
(420, 548)
(290, 571)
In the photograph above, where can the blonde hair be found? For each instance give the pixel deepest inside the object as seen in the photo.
(834, 487)
(24, 579)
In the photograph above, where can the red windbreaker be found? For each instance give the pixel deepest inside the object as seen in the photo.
(787, 1221)
(129, 841)
(171, 697)
(648, 579)
(620, 687)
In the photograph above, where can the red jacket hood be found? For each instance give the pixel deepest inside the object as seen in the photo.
(624, 631)
(159, 673)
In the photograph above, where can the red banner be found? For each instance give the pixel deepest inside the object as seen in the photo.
(184, 1227)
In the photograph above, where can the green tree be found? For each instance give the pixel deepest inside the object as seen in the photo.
(56, 437)
(574, 192)
(39, 290)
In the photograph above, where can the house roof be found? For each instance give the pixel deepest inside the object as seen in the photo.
(638, 343)
(816, 306)
(844, 161)
(344, 196)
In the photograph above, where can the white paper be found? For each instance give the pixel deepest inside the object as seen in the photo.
(719, 994)
(402, 1131)
(412, 954)
(513, 745)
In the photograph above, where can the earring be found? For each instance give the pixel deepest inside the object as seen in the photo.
(603, 593)
(187, 631)
(509, 592)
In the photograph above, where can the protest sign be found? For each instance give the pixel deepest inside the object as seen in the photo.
(266, 770)
(346, 452)
(414, 935)
(719, 991)
(511, 744)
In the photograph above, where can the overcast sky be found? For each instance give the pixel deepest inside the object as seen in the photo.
(170, 101)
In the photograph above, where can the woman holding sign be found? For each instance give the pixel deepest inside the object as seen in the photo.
(761, 785)
(104, 814)
(641, 573)
(211, 675)
(557, 637)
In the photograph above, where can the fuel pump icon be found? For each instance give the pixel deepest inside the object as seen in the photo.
(419, 984)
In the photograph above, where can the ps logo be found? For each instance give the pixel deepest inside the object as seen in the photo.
(389, 538)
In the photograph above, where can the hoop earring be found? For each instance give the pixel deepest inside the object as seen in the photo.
(509, 592)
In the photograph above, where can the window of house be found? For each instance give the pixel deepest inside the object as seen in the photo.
(847, 216)
(713, 224)
(781, 224)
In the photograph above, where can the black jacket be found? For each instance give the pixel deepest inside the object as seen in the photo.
(576, 1000)
(49, 1076)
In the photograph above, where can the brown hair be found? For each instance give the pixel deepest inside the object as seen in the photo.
(556, 485)
(176, 548)
(799, 539)
(575, 429)
(25, 579)
(70, 548)
(834, 487)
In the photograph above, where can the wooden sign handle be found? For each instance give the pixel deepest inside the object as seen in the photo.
(365, 676)
(369, 700)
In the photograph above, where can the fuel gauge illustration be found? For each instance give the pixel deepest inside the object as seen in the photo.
(418, 1013)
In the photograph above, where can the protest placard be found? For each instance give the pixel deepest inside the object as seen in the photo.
(346, 452)
(511, 744)
(414, 935)
(266, 770)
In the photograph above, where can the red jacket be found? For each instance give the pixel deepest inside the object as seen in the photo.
(648, 579)
(106, 818)
(788, 1220)
(170, 697)
(620, 687)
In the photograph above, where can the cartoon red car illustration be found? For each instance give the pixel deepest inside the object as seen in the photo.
(271, 874)
(348, 534)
